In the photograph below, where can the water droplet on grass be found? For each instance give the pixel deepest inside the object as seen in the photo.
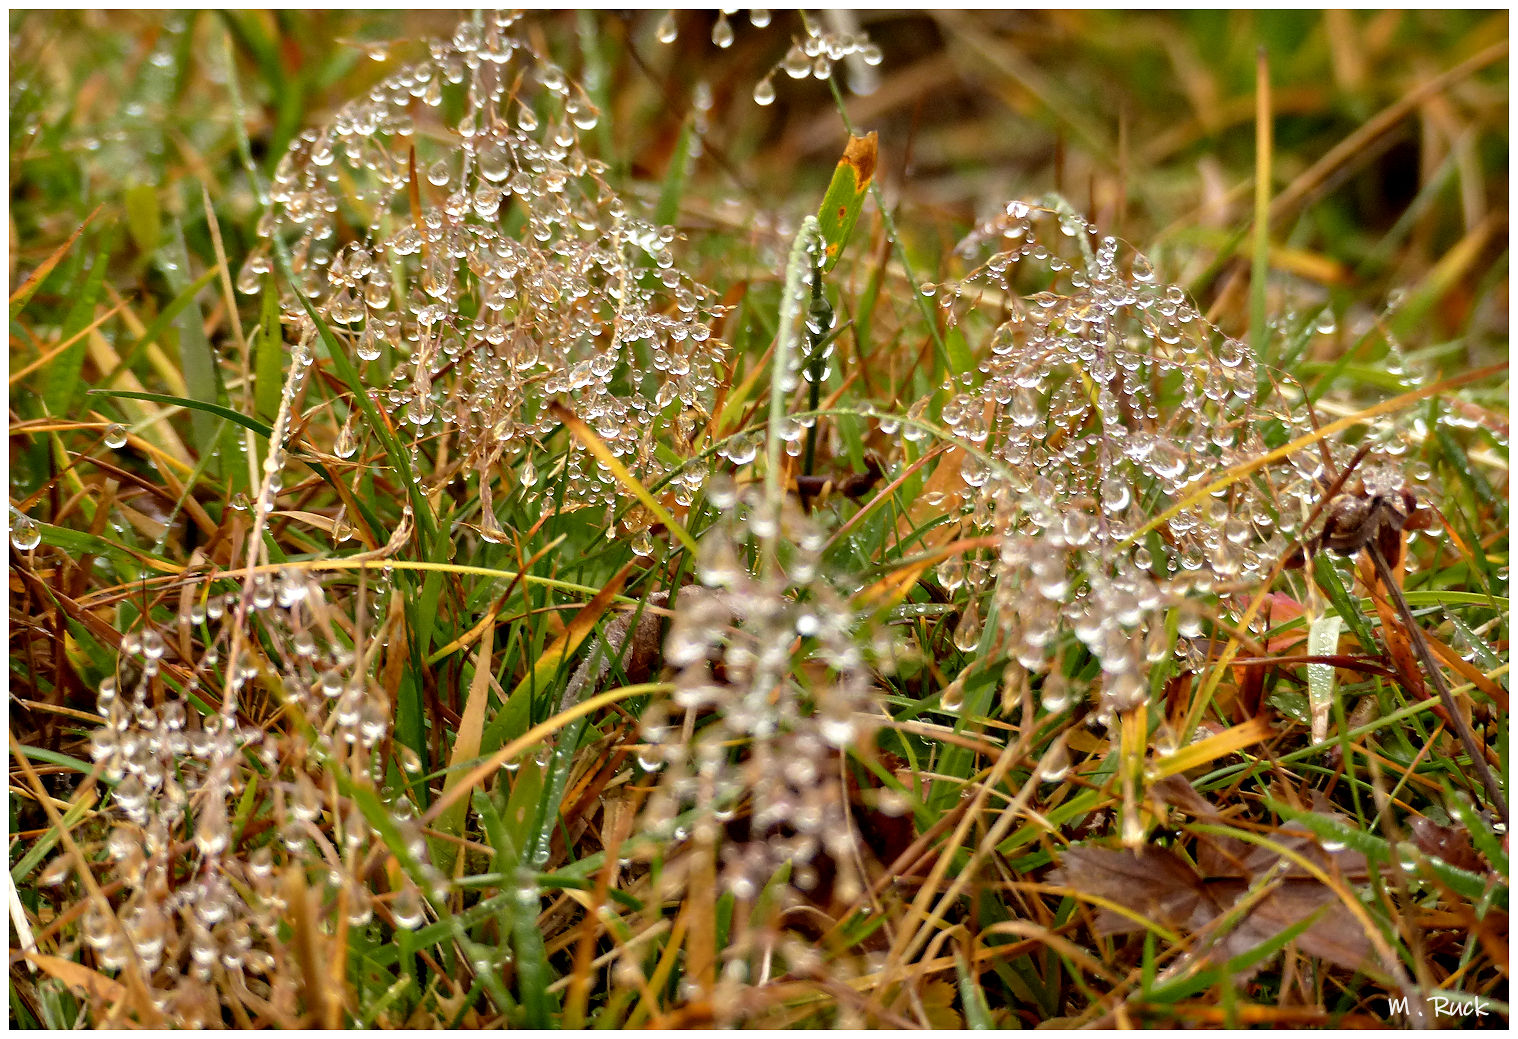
(722, 32)
(406, 909)
(967, 632)
(26, 534)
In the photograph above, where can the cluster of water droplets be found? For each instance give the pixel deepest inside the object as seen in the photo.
(1104, 398)
(815, 54)
(493, 268)
(773, 679)
(183, 748)
(668, 30)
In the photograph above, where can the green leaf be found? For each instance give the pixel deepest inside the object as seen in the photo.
(977, 1012)
(263, 429)
(197, 358)
(1483, 838)
(37, 852)
(961, 360)
(1346, 607)
(1337, 831)
(143, 216)
(673, 189)
(268, 357)
(1322, 640)
(60, 387)
(845, 195)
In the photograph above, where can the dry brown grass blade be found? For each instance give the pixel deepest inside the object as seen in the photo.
(52, 352)
(1458, 721)
(1468, 671)
(1220, 745)
(1299, 190)
(597, 447)
(1393, 634)
(891, 589)
(701, 903)
(307, 945)
(920, 923)
(466, 744)
(535, 735)
(948, 481)
(884, 494)
(34, 280)
(649, 1004)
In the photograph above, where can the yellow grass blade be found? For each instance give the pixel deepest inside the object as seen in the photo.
(1229, 741)
(597, 447)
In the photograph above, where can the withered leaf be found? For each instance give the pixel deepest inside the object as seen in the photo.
(1450, 843)
(1231, 857)
(1159, 884)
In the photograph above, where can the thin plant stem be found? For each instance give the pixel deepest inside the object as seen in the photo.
(1426, 658)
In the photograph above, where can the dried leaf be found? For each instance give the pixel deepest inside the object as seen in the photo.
(80, 978)
(1178, 792)
(1450, 843)
(1158, 884)
(1154, 882)
(938, 1005)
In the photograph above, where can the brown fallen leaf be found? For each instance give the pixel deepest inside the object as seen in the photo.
(80, 978)
(1450, 843)
(1160, 885)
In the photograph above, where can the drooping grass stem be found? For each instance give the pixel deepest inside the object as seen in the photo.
(802, 259)
(819, 322)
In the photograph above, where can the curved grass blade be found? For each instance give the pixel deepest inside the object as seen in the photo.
(28, 288)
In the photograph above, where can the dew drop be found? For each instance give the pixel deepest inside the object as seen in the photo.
(490, 527)
(347, 444)
(722, 32)
(26, 534)
(953, 696)
(1055, 765)
(668, 31)
(494, 160)
(764, 92)
(406, 908)
(115, 436)
(967, 632)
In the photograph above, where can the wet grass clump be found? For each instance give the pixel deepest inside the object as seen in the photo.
(499, 538)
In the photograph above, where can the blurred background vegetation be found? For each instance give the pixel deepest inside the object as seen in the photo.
(1390, 129)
